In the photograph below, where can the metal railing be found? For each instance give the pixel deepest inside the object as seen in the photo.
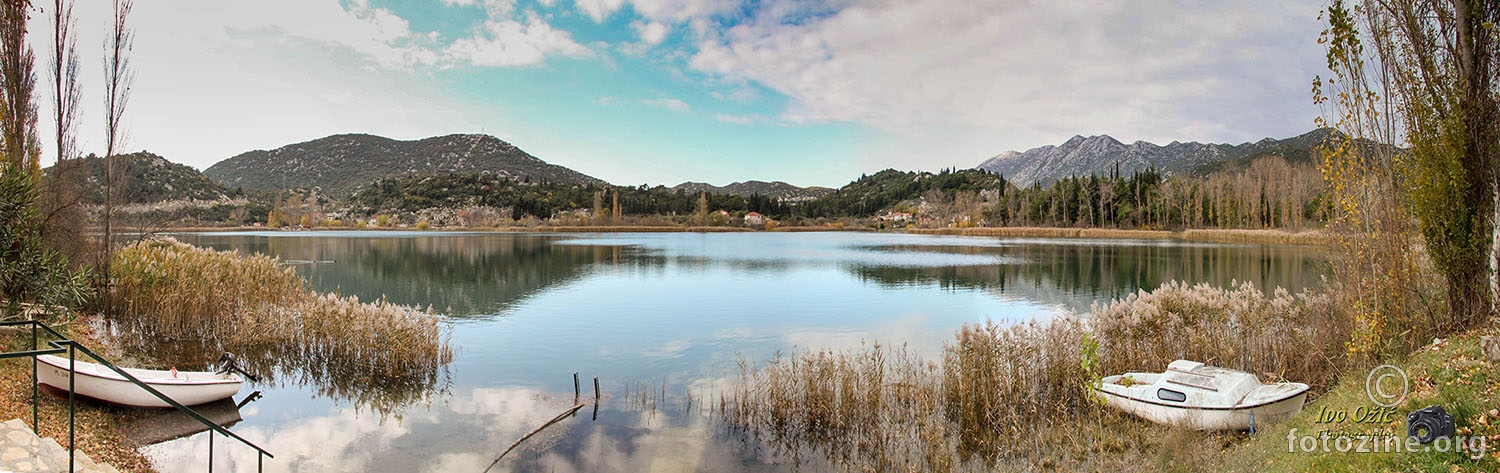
(62, 345)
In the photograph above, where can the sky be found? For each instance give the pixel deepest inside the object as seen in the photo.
(665, 91)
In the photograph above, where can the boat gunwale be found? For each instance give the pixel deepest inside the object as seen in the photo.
(110, 375)
(1302, 390)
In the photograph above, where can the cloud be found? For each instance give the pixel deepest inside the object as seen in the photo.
(681, 10)
(735, 119)
(669, 104)
(1149, 71)
(217, 78)
(598, 9)
(651, 32)
(506, 43)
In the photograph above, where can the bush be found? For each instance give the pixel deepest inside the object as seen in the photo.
(29, 272)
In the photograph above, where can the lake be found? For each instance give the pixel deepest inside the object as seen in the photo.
(664, 321)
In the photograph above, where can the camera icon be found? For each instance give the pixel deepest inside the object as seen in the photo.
(1380, 385)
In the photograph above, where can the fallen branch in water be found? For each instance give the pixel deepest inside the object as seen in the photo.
(565, 414)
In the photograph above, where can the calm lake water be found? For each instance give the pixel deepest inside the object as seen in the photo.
(662, 320)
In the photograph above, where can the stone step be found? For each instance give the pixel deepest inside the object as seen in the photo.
(21, 451)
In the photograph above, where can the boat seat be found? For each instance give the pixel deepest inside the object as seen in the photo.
(1193, 380)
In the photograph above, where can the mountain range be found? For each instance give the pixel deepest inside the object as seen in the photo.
(340, 164)
(1102, 154)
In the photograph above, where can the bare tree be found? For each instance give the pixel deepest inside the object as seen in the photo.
(117, 80)
(65, 78)
(63, 219)
(18, 135)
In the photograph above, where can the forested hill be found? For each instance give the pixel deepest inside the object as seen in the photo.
(773, 189)
(145, 178)
(340, 164)
(1103, 155)
(871, 194)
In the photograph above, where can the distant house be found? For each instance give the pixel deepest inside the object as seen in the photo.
(896, 217)
(754, 219)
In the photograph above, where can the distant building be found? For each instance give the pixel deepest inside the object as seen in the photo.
(754, 219)
(896, 217)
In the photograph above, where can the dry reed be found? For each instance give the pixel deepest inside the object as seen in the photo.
(1020, 395)
(176, 303)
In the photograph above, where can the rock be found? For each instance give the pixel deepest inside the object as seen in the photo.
(1491, 348)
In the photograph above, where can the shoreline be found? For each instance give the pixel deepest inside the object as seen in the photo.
(1203, 235)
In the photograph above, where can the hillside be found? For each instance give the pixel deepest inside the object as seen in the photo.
(339, 165)
(146, 179)
(775, 189)
(878, 192)
(492, 194)
(1080, 156)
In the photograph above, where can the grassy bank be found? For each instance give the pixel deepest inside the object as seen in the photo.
(100, 428)
(1452, 373)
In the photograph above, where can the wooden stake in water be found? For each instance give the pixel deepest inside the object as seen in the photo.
(596, 390)
(576, 391)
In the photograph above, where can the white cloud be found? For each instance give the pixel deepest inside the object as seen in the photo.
(598, 9)
(504, 42)
(669, 104)
(735, 119)
(651, 32)
(1014, 70)
(217, 78)
(679, 10)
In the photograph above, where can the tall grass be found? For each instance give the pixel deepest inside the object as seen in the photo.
(177, 303)
(1021, 395)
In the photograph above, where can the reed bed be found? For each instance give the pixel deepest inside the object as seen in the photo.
(1011, 232)
(1211, 235)
(1020, 396)
(1272, 237)
(177, 303)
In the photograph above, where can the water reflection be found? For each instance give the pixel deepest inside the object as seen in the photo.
(467, 436)
(1076, 274)
(456, 274)
(679, 310)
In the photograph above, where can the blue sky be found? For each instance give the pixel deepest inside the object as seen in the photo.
(665, 91)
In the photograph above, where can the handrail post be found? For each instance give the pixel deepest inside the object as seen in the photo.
(72, 373)
(210, 451)
(34, 397)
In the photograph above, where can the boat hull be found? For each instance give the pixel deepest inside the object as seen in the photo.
(1202, 418)
(97, 381)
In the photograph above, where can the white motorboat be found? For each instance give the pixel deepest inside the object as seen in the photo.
(1201, 397)
(99, 382)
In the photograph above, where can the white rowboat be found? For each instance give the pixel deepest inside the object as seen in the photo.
(1201, 397)
(99, 382)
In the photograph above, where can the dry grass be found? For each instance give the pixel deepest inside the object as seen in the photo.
(178, 303)
(1268, 237)
(612, 229)
(1291, 336)
(1009, 232)
(100, 428)
(1273, 237)
(1019, 396)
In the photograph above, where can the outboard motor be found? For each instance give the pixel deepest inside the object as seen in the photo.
(227, 364)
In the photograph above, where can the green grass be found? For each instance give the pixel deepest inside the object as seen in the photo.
(1452, 373)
